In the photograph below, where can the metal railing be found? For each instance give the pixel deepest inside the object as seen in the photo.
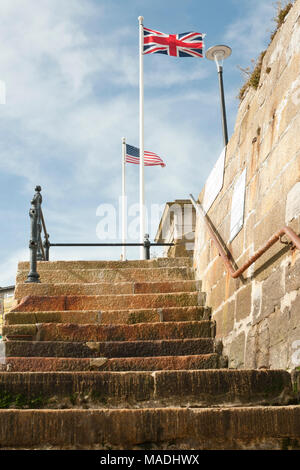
(39, 251)
(235, 273)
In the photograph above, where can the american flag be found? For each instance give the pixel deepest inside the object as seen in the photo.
(150, 158)
(177, 45)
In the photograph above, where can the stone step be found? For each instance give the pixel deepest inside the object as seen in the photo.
(103, 264)
(259, 427)
(170, 347)
(105, 288)
(110, 275)
(105, 302)
(147, 389)
(56, 364)
(132, 316)
(137, 332)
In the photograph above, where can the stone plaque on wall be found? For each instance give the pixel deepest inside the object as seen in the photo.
(237, 206)
(214, 182)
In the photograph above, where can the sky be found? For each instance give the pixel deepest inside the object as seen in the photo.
(71, 69)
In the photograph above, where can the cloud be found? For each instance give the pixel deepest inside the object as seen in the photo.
(64, 101)
(72, 94)
(250, 32)
(9, 267)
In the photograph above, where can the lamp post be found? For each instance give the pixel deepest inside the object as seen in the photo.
(218, 54)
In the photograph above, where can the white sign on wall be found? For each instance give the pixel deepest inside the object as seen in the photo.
(214, 182)
(237, 206)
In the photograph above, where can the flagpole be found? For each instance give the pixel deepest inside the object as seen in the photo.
(123, 199)
(142, 185)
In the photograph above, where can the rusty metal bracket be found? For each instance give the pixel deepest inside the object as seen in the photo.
(283, 242)
(287, 231)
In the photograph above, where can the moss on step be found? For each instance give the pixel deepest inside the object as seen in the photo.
(19, 400)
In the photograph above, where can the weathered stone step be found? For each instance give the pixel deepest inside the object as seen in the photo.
(102, 264)
(110, 275)
(171, 347)
(56, 364)
(105, 288)
(148, 389)
(132, 316)
(105, 302)
(137, 332)
(185, 428)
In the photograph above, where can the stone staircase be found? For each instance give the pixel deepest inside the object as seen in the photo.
(122, 355)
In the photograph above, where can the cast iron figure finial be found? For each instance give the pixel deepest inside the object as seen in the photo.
(34, 242)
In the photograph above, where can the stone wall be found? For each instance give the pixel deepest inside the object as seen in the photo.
(258, 315)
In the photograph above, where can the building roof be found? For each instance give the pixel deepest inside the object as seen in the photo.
(7, 288)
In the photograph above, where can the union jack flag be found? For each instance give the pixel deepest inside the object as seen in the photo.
(177, 45)
(150, 158)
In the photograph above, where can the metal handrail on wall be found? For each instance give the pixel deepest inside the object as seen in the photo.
(235, 273)
(39, 251)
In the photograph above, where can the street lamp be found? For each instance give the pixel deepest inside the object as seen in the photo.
(218, 54)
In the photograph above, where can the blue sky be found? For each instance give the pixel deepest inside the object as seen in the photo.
(71, 74)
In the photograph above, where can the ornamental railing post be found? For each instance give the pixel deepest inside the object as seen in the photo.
(39, 255)
(34, 243)
(147, 245)
(46, 246)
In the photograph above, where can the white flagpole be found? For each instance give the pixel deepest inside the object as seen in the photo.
(142, 186)
(123, 199)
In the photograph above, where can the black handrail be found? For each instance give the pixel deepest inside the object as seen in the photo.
(40, 251)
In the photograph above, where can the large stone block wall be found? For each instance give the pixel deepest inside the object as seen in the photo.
(258, 315)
